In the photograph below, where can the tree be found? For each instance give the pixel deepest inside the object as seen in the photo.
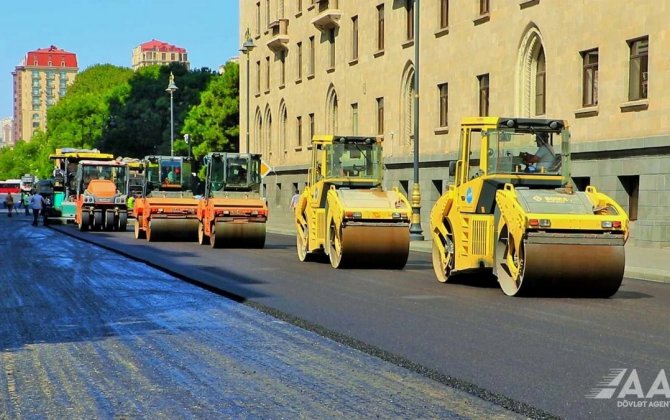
(214, 123)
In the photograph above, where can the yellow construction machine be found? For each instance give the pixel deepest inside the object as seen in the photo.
(514, 208)
(232, 213)
(344, 211)
(167, 208)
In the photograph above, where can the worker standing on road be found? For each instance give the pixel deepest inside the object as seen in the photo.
(37, 204)
(25, 201)
(294, 200)
(131, 202)
(9, 203)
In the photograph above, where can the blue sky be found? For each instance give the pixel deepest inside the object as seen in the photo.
(106, 31)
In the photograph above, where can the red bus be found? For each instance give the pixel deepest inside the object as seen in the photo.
(10, 186)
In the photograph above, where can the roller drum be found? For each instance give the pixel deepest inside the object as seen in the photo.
(173, 229)
(239, 235)
(578, 270)
(373, 246)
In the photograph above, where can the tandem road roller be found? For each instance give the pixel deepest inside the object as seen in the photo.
(514, 208)
(344, 212)
(232, 212)
(167, 208)
(101, 193)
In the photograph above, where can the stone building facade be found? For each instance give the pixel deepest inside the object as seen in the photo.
(347, 67)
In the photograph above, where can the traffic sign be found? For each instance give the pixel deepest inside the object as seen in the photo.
(265, 168)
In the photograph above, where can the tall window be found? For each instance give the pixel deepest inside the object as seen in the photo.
(258, 18)
(483, 7)
(380, 116)
(409, 18)
(267, 73)
(639, 68)
(312, 53)
(590, 78)
(258, 76)
(444, 104)
(280, 9)
(331, 42)
(298, 128)
(299, 5)
(541, 85)
(267, 13)
(283, 127)
(311, 127)
(282, 68)
(444, 13)
(354, 38)
(354, 118)
(299, 58)
(483, 95)
(380, 27)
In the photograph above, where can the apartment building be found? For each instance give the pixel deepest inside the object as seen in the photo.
(6, 132)
(40, 81)
(347, 67)
(160, 53)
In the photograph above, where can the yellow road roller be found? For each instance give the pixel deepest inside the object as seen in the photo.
(514, 209)
(232, 213)
(345, 213)
(167, 208)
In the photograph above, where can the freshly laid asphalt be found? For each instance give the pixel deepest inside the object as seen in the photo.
(88, 333)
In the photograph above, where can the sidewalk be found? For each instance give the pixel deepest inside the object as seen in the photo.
(652, 264)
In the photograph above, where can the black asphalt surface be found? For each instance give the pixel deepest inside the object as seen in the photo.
(88, 333)
(538, 356)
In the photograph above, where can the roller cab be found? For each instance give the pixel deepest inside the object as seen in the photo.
(101, 194)
(167, 207)
(232, 212)
(522, 218)
(345, 213)
(66, 160)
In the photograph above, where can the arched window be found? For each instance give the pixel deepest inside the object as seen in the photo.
(531, 80)
(540, 84)
(258, 132)
(283, 129)
(332, 111)
(407, 104)
(267, 147)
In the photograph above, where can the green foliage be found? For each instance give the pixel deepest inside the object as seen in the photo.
(214, 124)
(128, 114)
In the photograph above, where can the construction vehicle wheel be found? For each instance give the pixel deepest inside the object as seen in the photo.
(123, 221)
(301, 246)
(84, 221)
(509, 265)
(139, 233)
(147, 233)
(443, 263)
(97, 219)
(110, 220)
(334, 246)
(202, 238)
(214, 240)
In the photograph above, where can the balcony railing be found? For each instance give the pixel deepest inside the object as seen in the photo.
(328, 16)
(279, 37)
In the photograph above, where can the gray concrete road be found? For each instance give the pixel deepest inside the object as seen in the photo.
(88, 333)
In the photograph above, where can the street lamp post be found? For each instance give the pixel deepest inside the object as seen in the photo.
(246, 49)
(172, 87)
(415, 231)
